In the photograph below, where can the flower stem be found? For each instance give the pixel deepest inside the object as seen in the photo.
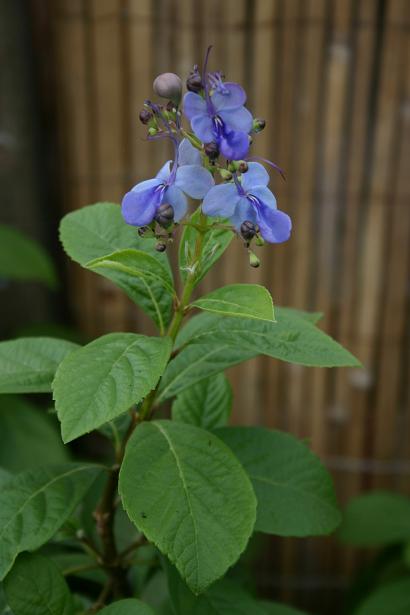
(112, 560)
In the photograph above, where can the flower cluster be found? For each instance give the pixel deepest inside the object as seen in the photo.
(221, 127)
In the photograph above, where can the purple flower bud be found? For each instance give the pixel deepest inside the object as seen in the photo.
(145, 116)
(194, 81)
(211, 150)
(168, 85)
(160, 247)
(258, 124)
(165, 215)
(248, 230)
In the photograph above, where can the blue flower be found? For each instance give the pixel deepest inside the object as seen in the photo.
(221, 117)
(249, 198)
(171, 185)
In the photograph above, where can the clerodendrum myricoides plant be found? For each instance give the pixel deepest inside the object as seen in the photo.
(178, 499)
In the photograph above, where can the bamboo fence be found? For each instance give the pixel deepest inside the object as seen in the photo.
(331, 77)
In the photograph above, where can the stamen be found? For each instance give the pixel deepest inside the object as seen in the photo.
(270, 163)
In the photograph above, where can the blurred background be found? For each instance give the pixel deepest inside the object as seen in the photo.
(332, 80)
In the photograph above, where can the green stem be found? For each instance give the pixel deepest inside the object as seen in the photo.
(112, 561)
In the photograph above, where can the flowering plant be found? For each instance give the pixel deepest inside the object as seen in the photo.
(179, 497)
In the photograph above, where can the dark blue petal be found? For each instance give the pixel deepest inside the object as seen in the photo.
(139, 206)
(230, 96)
(237, 119)
(234, 145)
(275, 225)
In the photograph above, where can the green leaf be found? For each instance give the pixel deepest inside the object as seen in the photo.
(390, 599)
(21, 258)
(214, 343)
(312, 317)
(35, 586)
(130, 267)
(246, 300)
(105, 378)
(183, 488)
(223, 598)
(278, 608)
(28, 365)
(215, 242)
(36, 503)
(129, 606)
(28, 436)
(137, 264)
(99, 230)
(376, 519)
(294, 490)
(78, 564)
(5, 476)
(206, 404)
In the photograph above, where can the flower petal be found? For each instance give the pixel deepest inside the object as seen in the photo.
(139, 206)
(232, 95)
(188, 154)
(194, 180)
(203, 128)
(275, 225)
(234, 145)
(237, 119)
(264, 195)
(221, 201)
(244, 211)
(256, 175)
(194, 105)
(164, 171)
(175, 197)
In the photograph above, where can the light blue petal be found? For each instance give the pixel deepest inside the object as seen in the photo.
(275, 226)
(237, 119)
(203, 128)
(164, 171)
(221, 201)
(264, 195)
(232, 95)
(234, 145)
(244, 211)
(256, 175)
(175, 197)
(194, 105)
(194, 180)
(139, 206)
(188, 154)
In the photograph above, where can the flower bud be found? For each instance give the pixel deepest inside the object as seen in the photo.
(258, 124)
(212, 151)
(168, 85)
(225, 174)
(254, 260)
(145, 116)
(242, 166)
(165, 215)
(152, 131)
(248, 230)
(194, 81)
(160, 247)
